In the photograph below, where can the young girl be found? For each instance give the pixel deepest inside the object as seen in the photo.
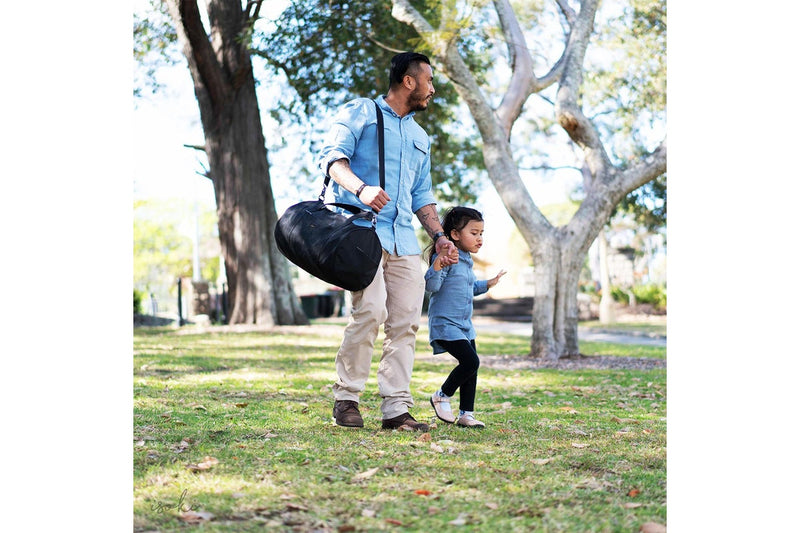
(450, 314)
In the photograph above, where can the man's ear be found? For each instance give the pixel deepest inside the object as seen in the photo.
(409, 82)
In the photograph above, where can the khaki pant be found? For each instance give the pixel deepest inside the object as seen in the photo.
(394, 299)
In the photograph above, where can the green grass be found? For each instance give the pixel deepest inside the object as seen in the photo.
(562, 450)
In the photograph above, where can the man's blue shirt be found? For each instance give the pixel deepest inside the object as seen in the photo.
(353, 136)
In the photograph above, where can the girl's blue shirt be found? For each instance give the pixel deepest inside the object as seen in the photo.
(452, 290)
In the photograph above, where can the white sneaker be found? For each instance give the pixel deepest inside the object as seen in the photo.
(467, 420)
(441, 406)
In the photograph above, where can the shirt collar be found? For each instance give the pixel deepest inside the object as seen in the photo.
(387, 107)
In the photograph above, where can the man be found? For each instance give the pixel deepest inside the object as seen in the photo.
(394, 298)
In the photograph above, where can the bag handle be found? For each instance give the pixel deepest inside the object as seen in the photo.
(381, 167)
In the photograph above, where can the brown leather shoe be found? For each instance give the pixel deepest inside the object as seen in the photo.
(405, 422)
(346, 413)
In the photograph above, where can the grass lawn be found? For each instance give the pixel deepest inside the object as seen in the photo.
(233, 430)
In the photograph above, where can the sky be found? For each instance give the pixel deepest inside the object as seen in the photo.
(66, 240)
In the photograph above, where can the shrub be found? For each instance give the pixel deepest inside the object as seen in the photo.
(651, 294)
(137, 302)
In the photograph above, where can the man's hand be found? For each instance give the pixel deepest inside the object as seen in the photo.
(374, 197)
(447, 251)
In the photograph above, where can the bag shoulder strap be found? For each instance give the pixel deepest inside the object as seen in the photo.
(381, 166)
(379, 114)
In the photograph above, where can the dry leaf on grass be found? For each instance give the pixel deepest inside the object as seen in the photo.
(196, 517)
(542, 461)
(394, 522)
(653, 527)
(205, 464)
(422, 492)
(579, 445)
(364, 475)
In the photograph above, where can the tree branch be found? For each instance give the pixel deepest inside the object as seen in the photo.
(569, 114)
(201, 52)
(522, 77)
(646, 169)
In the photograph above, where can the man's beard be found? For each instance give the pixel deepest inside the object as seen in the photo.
(418, 101)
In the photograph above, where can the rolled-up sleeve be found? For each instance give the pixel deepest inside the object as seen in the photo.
(340, 142)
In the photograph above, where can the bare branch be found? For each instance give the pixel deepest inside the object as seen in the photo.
(568, 12)
(579, 128)
(646, 169)
(522, 77)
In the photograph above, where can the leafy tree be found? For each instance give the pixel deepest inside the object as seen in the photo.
(591, 118)
(259, 284)
(162, 246)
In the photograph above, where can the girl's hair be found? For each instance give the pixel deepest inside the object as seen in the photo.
(455, 219)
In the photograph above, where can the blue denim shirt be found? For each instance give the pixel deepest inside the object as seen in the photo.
(450, 310)
(353, 136)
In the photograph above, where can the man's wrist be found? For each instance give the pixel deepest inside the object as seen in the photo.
(361, 188)
(438, 235)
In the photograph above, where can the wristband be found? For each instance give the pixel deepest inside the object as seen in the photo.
(437, 235)
(358, 191)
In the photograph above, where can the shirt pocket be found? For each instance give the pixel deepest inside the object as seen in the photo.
(418, 155)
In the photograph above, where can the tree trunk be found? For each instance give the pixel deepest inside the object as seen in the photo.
(606, 300)
(259, 286)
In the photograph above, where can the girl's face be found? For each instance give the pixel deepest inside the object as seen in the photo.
(470, 237)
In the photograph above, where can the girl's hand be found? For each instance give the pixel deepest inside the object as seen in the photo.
(492, 282)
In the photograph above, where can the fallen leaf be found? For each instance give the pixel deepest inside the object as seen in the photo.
(568, 409)
(634, 492)
(631, 505)
(196, 517)
(205, 464)
(435, 447)
(425, 437)
(240, 404)
(368, 513)
(422, 492)
(364, 475)
(460, 521)
(542, 461)
(579, 445)
(492, 505)
(394, 522)
(653, 527)
(295, 507)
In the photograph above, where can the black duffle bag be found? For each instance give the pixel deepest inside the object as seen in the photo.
(329, 245)
(343, 250)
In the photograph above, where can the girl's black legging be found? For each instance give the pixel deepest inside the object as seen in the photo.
(465, 375)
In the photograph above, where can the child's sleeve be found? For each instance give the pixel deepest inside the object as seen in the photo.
(434, 278)
(480, 286)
